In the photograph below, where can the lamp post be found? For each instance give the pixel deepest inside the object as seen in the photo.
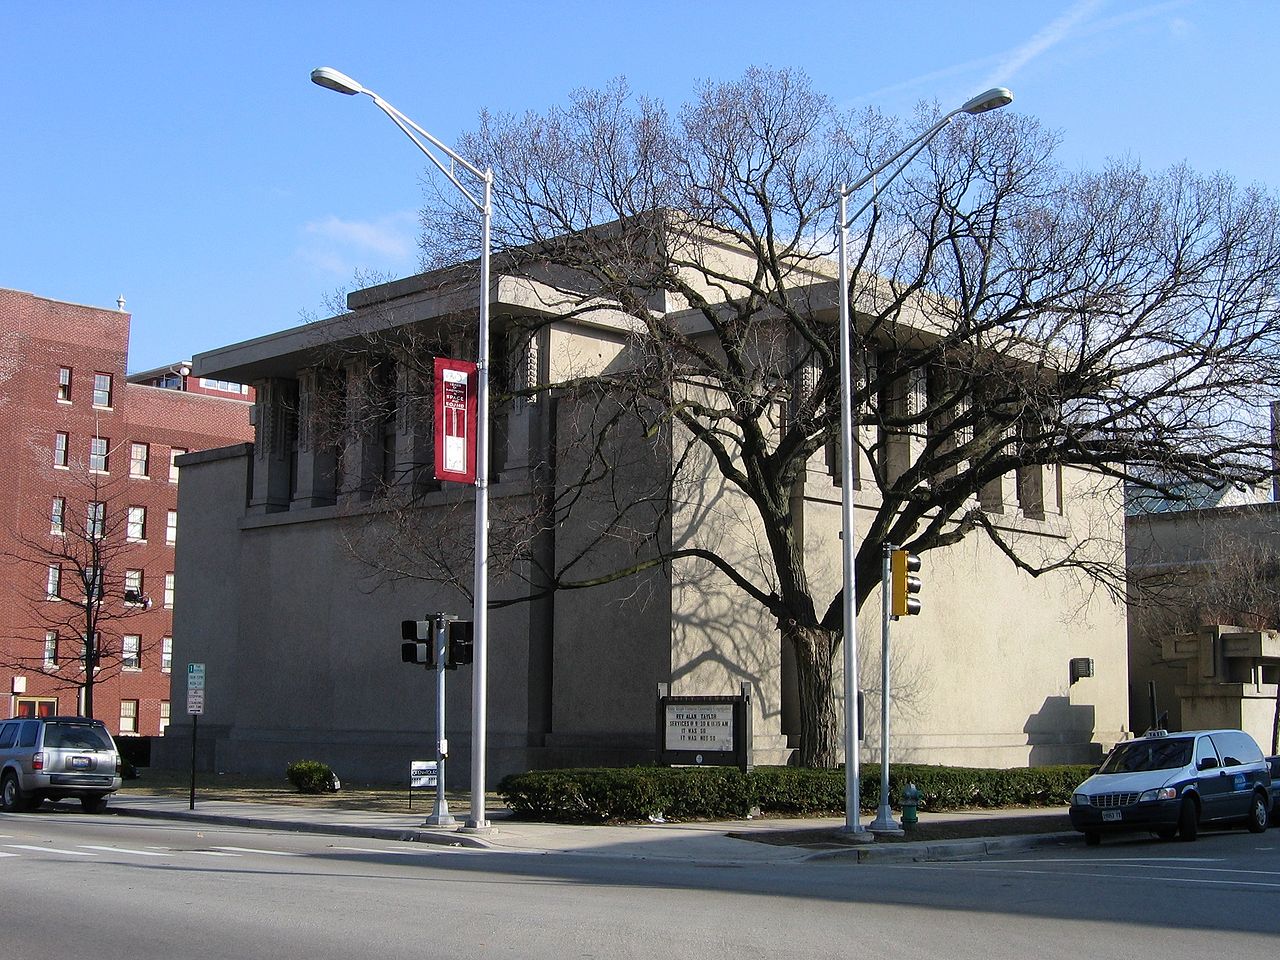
(992, 99)
(333, 80)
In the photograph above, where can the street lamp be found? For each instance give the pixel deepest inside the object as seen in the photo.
(334, 80)
(992, 99)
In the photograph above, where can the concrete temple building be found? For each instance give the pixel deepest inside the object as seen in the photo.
(299, 630)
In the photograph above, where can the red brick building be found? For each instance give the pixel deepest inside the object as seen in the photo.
(88, 518)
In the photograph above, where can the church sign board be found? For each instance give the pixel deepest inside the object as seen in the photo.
(704, 731)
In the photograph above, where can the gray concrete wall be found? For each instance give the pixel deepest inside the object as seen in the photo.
(302, 646)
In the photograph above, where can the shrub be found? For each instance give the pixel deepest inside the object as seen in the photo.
(716, 793)
(309, 776)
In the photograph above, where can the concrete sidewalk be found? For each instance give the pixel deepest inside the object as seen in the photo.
(691, 842)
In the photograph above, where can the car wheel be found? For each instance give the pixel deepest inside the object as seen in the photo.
(94, 804)
(1167, 833)
(11, 796)
(1188, 820)
(1258, 814)
(1092, 838)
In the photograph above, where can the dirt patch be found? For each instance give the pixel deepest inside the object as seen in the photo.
(926, 831)
(235, 787)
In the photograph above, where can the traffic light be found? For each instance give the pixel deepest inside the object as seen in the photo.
(904, 583)
(461, 639)
(419, 641)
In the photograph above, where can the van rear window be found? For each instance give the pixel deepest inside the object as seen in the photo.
(75, 736)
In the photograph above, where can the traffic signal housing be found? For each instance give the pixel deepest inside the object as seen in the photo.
(419, 641)
(461, 648)
(904, 584)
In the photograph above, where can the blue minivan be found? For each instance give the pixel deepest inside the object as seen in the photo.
(1171, 784)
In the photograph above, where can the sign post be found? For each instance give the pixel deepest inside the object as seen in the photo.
(423, 775)
(195, 707)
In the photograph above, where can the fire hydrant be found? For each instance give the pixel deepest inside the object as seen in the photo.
(910, 802)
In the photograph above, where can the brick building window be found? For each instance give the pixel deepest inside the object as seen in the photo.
(164, 716)
(131, 652)
(50, 649)
(171, 528)
(53, 585)
(166, 654)
(174, 454)
(95, 521)
(35, 706)
(85, 652)
(139, 460)
(168, 590)
(64, 384)
(102, 390)
(57, 516)
(128, 716)
(136, 531)
(60, 450)
(99, 451)
(133, 587)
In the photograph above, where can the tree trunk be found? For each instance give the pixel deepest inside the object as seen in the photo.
(820, 743)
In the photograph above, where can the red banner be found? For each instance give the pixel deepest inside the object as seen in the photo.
(456, 383)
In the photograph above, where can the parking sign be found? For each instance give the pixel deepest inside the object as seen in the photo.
(195, 688)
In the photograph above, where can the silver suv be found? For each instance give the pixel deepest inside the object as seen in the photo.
(50, 758)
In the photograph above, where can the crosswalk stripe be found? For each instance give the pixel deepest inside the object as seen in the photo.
(269, 853)
(65, 853)
(136, 853)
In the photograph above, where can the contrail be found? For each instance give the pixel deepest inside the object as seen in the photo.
(1050, 36)
(1072, 25)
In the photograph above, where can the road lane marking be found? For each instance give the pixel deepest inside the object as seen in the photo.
(136, 853)
(1164, 863)
(3, 854)
(395, 853)
(1149, 878)
(67, 853)
(211, 853)
(1121, 859)
(269, 853)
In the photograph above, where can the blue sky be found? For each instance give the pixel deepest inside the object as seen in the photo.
(177, 153)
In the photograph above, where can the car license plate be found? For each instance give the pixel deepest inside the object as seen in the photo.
(1109, 816)
(80, 763)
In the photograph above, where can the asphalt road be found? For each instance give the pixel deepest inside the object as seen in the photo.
(74, 885)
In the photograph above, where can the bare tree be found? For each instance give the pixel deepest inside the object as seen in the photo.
(1011, 318)
(1244, 590)
(76, 584)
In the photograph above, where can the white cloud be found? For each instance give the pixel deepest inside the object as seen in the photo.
(339, 247)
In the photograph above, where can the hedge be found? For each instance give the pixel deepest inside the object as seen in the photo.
(310, 776)
(631, 794)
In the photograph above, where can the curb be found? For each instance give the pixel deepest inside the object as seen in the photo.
(943, 850)
(920, 852)
(446, 838)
